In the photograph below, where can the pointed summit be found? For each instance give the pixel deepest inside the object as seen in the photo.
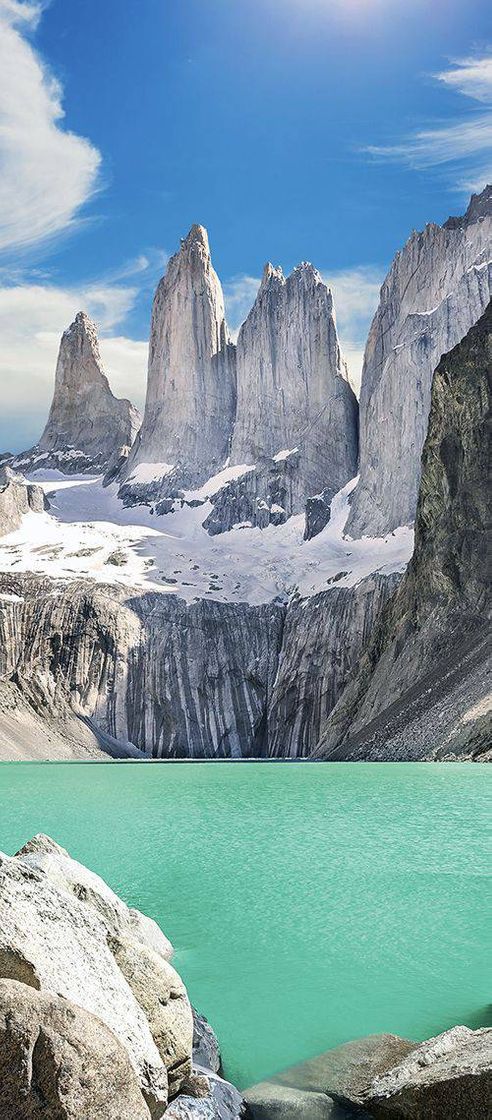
(86, 425)
(191, 393)
(292, 388)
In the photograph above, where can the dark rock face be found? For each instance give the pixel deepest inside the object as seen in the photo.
(16, 499)
(346, 1071)
(87, 425)
(266, 495)
(422, 687)
(323, 639)
(317, 513)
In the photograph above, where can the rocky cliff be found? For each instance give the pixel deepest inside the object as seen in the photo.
(87, 426)
(423, 686)
(17, 497)
(292, 384)
(439, 285)
(174, 680)
(191, 389)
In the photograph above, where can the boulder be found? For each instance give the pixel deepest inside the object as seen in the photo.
(222, 1102)
(346, 1071)
(62, 930)
(268, 1101)
(206, 1050)
(446, 1078)
(59, 1062)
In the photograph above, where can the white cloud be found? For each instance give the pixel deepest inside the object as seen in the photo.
(32, 318)
(466, 143)
(356, 296)
(48, 173)
(239, 296)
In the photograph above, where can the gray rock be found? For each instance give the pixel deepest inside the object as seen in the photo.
(191, 390)
(446, 1078)
(223, 1102)
(86, 425)
(59, 1062)
(422, 689)
(438, 286)
(268, 1101)
(346, 1071)
(266, 495)
(206, 1051)
(292, 384)
(62, 930)
(318, 510)
(17, 497)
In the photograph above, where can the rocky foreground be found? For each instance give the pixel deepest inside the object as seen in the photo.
(96, 1024)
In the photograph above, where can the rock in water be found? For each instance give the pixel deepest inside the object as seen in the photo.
(292, 384)
(191, 390)
(446, 1078)
(59, 1062)
(87, 426)
(422, 689)
(62, 930)
(438, 286)
(17, 497)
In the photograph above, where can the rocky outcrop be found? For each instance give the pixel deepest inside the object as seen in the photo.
(266, 495)
(191, 389)
(17, 497)
(292, 384)
(90, 1005)
(446, 1078)
(422, 689)
(86, 425)
(438, 286)
(59, 1062)
(322, 642)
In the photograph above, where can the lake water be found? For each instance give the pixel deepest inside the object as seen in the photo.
(308, 904)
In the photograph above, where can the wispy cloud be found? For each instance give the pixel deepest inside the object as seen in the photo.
(239, 296)
(464, 143)
(48, 172)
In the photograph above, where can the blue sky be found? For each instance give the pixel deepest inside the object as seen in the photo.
(293, 129)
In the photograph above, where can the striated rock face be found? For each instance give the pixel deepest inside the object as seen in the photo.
(323, 639)
(292, 385)
(86, 425)
(17, 497)
(422, 689)
(446, 1078)
(191, 390)
(266, 495)
(438, 286)
(59, 1062)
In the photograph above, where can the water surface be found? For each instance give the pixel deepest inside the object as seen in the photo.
(308, 904)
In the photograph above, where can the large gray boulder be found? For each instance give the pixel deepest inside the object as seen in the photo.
(438, 286)
(62, 930)
(268, 1101)
(221, 1101)
(446, 1078)
(59, 1062)
(87, 425)
(346, 1071)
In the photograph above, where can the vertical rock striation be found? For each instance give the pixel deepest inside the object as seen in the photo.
(189, 410)
(423, 689)
(86, 425)
(292, 385)
(438, 286)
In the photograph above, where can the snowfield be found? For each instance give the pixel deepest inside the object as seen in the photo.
(89, 533)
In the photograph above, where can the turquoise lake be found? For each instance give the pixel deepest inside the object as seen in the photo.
(308, 904)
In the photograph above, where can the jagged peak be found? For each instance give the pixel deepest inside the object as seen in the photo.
(305, 271)
(271, 272)
(197, 235)
(479, 206)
